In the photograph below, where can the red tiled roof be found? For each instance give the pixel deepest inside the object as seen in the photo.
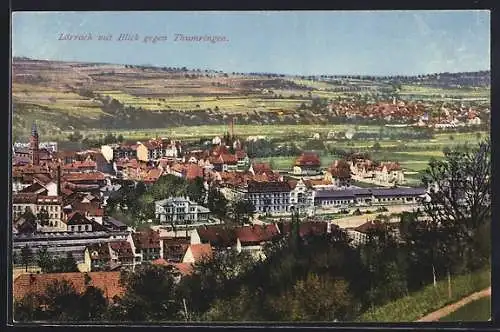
(122, 248)
(217, 236)
(240, 154)
(308, 159)
(193, 171)
(256, 233)
(260, 168)
(146, 239)
(94, 176)
(24, 198)
(33, 188)
(368, 226)
(77, 218)
(184, 268)
(42, 178)
(229, 159)
(108, 282)
(80, 164)
(201, 251)
(391, 166)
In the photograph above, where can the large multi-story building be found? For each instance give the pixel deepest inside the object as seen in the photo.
(180, 211)
(38, 204)
(268, 197)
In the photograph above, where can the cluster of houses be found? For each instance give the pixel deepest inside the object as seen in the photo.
(59, 201)
(415, 113)
(102, 260)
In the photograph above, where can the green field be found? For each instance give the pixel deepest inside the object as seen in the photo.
(240, 130)
(426, 91)
(479, 310)
(235, 104)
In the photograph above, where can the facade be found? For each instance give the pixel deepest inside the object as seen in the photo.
(146, 245)
(301, 197)
(52, 205)
(180, 211)
(331, 199)
(268, 197)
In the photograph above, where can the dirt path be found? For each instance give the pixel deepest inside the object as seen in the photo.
(440, 313)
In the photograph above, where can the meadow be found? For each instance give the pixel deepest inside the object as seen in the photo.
(479, 310)
(429, 299)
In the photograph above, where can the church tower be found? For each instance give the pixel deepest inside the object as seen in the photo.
(34, 143)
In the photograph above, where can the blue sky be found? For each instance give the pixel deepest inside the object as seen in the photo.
(300, 42)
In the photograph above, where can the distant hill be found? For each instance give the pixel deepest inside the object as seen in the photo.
(66, 96)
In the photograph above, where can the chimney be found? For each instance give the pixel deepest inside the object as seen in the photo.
(58, 180)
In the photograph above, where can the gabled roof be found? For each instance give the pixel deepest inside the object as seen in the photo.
(122, 248)
(308, 159)
(217, 236)
(108, 282)
(146, 239)
(184, 269)
(34, 188)
(77, 218)
(257, 233)
(201, 251)
(369, 226)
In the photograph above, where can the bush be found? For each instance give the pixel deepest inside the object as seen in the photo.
(357, 212)
(429, 299)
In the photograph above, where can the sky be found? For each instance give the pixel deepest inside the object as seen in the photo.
(285, 42)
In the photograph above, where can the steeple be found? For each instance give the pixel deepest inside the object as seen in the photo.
(34, 130)
(34, 154)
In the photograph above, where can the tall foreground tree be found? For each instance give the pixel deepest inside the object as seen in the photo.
(459, 199)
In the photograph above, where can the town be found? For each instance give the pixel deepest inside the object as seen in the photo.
(263, 170)
(61, 198)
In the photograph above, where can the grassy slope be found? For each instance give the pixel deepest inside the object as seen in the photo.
(479, 310)
(429, 299)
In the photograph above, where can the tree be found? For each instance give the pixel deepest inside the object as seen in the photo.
(93, 305)
(150, 294)
(64, 264)
(28, 309)
(43, 217)
(242, 211)
(459, 199)
(213, 279)
(196, 190)
(317, 298)
(376, 146)
(217, 203)
(61, 300)
(44, 260)
(26, 256)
